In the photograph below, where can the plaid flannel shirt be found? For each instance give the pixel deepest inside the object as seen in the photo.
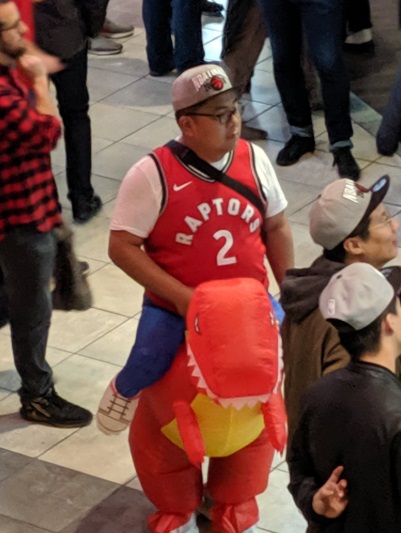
(28, 193)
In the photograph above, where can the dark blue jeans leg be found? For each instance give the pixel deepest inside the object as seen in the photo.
(73, 102)
(27, 262)
(157, 16)
(283, 19)
(187, 25)
(322, 21)
(158, 338)
(357, 15)
(389, 133)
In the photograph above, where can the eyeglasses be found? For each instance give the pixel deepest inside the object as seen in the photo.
(387, 221)
(224, 117)
(12, 27)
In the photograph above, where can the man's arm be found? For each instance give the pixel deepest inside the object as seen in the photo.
(52, 63)
(279, 245)
(26, 127)
(317, 503)
(35, 70)
(125, 251)
(334, 355)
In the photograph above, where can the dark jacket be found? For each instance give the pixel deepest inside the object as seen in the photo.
(352, 418)
(62, 27)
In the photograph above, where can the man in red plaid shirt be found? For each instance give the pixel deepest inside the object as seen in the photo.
(29, 211)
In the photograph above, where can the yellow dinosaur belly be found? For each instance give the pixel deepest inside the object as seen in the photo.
(224, 430)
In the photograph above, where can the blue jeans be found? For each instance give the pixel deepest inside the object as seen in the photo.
(389, 134)
(184, 16)
(321, 21)
(27, 263)
(158, 337)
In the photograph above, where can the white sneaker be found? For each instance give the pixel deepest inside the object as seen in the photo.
(115, 412)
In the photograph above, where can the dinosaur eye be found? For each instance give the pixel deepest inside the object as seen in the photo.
(196, 324)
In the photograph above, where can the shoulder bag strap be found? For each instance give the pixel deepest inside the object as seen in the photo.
(190, 159)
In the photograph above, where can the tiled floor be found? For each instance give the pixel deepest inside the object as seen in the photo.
(68, 481)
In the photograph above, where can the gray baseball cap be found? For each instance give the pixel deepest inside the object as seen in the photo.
(198, 84)
(341, 207)
(356, 295)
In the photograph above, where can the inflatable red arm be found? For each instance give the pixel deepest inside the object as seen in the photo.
(275, 421)
(190, 433)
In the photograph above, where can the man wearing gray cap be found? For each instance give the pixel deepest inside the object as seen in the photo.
(350, 424)
(352, 225)
(206, 207)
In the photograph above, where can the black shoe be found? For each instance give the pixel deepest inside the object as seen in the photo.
(367, 48)
(157, 74)
(84, 210)
(212, 9)
(347, 167)
(294, 149)
(55, 411)
(386, 144)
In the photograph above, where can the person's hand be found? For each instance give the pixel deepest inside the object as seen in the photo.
(52, 63)
(183, 299)
(330, 500)
(33, 68)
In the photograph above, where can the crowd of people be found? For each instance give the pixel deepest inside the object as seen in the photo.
(212, 198)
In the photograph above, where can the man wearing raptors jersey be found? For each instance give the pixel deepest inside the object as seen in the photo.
(174, 227)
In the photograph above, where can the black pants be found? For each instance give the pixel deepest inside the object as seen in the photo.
(73, 103)
(357, 15)
(321, 20)
(243, 39)
(183, 18)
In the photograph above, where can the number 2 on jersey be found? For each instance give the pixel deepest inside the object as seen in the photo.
(222, 257)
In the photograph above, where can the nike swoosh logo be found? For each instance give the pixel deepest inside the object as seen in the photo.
(179, 187)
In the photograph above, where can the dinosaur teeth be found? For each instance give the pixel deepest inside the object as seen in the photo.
(196, 372)
(225, 403)
(202, 383)
(237, 403)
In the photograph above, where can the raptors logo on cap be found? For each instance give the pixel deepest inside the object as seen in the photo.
(217, 83)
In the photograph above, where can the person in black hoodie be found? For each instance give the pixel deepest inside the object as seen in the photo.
(63, 28)
(352, 225)
(351, 419)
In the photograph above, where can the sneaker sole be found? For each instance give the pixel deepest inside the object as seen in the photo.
(117, 35)
(106, 430)
(104, 53)
(46, 422)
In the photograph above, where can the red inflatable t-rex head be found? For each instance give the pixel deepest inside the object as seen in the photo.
(233, 342)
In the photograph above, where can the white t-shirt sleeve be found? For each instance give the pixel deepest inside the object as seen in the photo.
(139, 200)
(276, 201)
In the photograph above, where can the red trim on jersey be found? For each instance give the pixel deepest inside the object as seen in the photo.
(207, 231)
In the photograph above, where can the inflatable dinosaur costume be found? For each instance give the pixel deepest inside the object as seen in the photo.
(219, 399)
